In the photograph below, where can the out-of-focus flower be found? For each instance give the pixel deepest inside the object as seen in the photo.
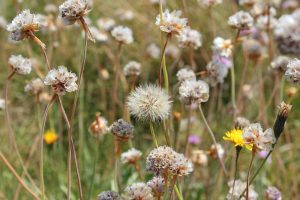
(241, 122)
(157, 183)
(194, 139)
(125, 15)
(2, 104)
(122, 129)
(72, 10)
(290, 4)
(209, 3)
(222, 47)
(20, 64)
(185, 74)
(98, 126)
(272, 193)
(247, 2)
(266, 22)
(235, 136)
(122, 34)
(61, 80)
(214, 151)
(261, 140)
(109, 195)
(239, 189)
(50, 137)
(199, 157)
(291, 91)
(261, 8)
(106, 23)
(292, 73)
(132, 68)
(100, 36)
(46, 23)
(180, 166)
(131, 156)
(192, 91)
(217, 69)
(50, 8)
(139, 191)
(23, 26)
(280, 63)
(172, 51)
(171, 22)
(189, 38)
(149, 103)
(156, 1)
(253, 49)
(35, 86)
(3, 22)
(241, 20)
(153, 50)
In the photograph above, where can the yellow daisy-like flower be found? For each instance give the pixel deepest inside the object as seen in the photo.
(50, 137)
(235, 136)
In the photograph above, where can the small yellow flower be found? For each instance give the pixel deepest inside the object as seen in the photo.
(50, 137)
(235, 136)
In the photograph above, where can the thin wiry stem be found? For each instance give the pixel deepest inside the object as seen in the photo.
(162, 65)
(214, 140)
(238, 150)
(186, 146)
(117, 160)
(42, 146)
(5, 161)
(96, 151)
(248, 174)
(116, 81)
(153, 134)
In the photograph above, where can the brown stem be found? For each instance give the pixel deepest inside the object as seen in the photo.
(11, 169)
(188, 130)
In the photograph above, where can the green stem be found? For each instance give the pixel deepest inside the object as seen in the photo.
(94, 168)
(248, 174)
(238, 150)
(178, 193)
(153, 134)
(232, 73)
(282, 84)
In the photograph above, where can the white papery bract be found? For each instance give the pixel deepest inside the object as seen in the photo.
(189, 38)
(222, 47)
(35, 86)
(241, 20)
(20, 64)
(131, 156)
(171, 22)
(132, 68)
(192, 91)
(122, 34)
(139, 191)
(185, 74)
(72, 10)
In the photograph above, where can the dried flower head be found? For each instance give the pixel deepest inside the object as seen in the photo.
(157, 183)
(180, 166)
(35, 86)
(149, 103)
(222, 47)
(20, 64)
(98, 126)
(2, 104)
(154, 51)
(185, 74)
(261, 140)
(61, 80)
(23, 26)
(100, 36)
(241, 20)
(241, 122)
(132, 68)
(209, 3)
(280, 63)
(217, 70)
(193, 91)
(122, 34)
(72, 10)
(109, 195)
(190, 38)
(239, 189)
(272, 193)
(199, 157)
(139, 191)
(131, 156)
(106, 23)
(216, 151)
(253, 49)
(122, 129)
(50, 8)
(171, 22)
(50, 137)
(235, 136)
(292, 73)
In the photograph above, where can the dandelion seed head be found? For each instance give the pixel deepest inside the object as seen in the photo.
(131, 156)
(132, 68)
(22, 24)
(189, 38)
(139, 191)
(171, 22)
(185, 74)
(122, 34)
(109, 195)
(241, 20)
(193, 91)
(20, 64)
(149, 103)
(61, 80)
(122, 129)
(72, 10)
(292, 74)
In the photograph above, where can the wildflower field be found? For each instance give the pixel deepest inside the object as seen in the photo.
(149, 99)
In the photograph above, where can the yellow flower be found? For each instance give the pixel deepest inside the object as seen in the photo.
(235, 136)
(50, 137)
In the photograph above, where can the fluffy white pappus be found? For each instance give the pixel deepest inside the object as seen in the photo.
(20, 64)
(190, 38)
(61, 80)
(21, 24)
(35, 86)
(132, 68)
(171, 22)
(139, 191)
(122, 34)
(193, 91)
(149, 103)
(185, 74)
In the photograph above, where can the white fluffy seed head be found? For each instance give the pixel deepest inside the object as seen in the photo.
(171, 22)
(185, 74)
(20, 64)
(72, 10)
(292, 73)
(149, 103)
(241, 20)
(190, 38)
(22, 24)
(193, 91)
(61, 80)
(131, 156)
(139, 191)
(132, 68)
(122, 34)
